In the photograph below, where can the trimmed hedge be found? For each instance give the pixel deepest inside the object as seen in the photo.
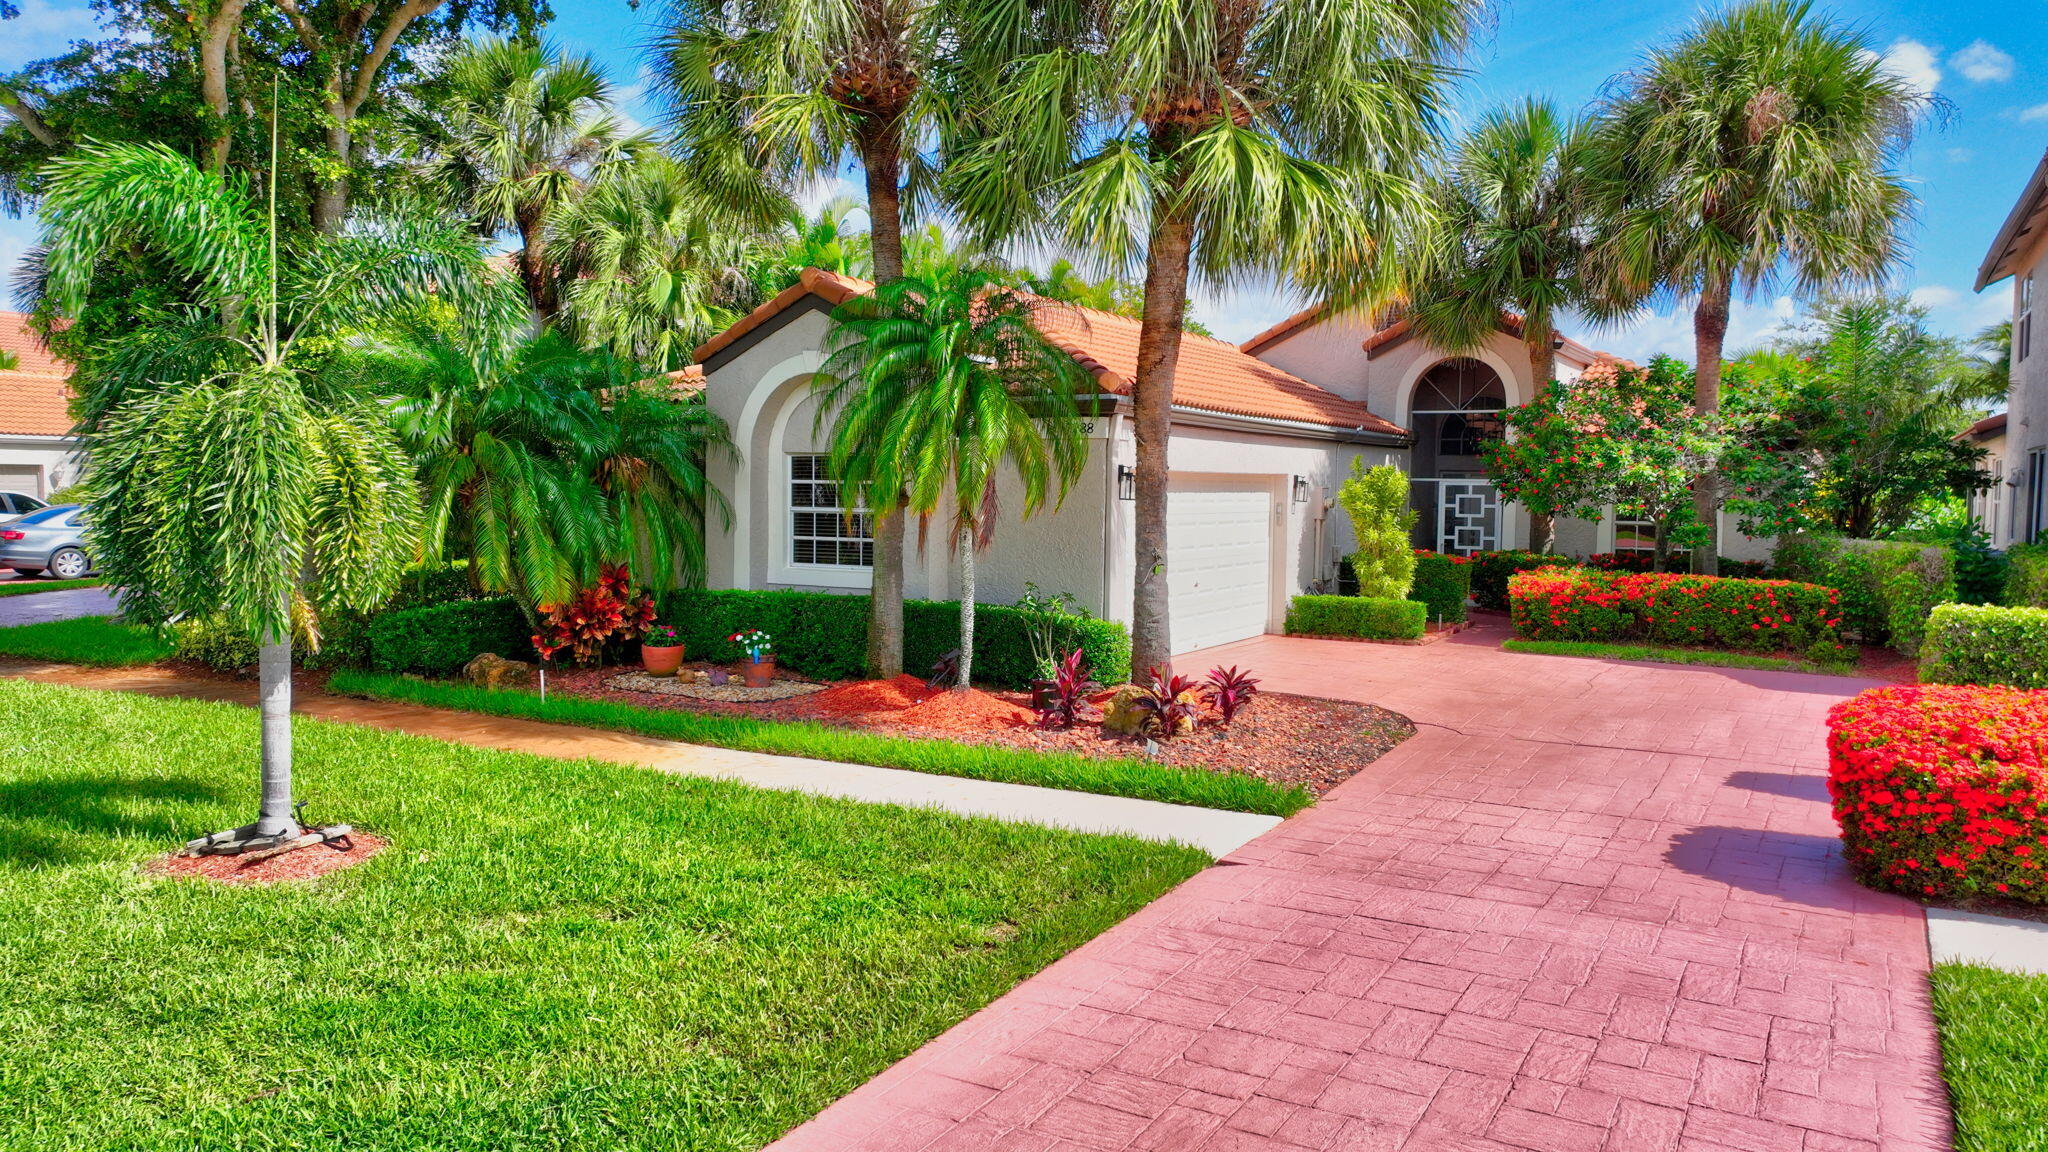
(1490, 572)
(1670, 608)
(1887, 588)
(1363, 616)
(2026, 576)
(1940, 789)
(824, 635)
(1442, 584)
(441, 638)
(1981, 644)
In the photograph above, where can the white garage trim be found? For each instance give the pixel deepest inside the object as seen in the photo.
(1224, 563)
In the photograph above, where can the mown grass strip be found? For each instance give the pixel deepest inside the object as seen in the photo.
(1233, 791)
(21, 586)
(1656, 655)
(566, 955)
(93, 640)
(1994, 1055)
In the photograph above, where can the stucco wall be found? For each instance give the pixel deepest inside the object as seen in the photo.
(38, 465)
(2026, 427)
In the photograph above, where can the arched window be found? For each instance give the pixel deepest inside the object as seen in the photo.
(1459, 385)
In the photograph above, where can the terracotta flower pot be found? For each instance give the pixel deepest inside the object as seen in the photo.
(661, 659)
(759, 673)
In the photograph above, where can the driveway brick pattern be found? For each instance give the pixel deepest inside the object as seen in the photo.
(1588, 907)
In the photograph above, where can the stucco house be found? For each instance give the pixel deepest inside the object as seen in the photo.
(2019, 252)
(38, 454)
(1263, 433)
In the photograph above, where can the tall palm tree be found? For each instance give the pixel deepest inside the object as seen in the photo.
(937, 384)
(244, 480)
(1514, 236)
(801, 86)
(1761, 147)
(522, 130)
(1202, 138)
(824, 240)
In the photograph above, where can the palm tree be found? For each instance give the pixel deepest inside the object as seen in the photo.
(243, 480)
(522, 130)
(1215, 139)
(1991, 381)
(824, 240)
(939, 382)
(1514, 234)
(1761, 147)
(800, 86)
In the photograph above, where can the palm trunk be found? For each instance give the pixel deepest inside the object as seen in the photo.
(533, 267)
(1166, 293)
(274, 668)
(1709, 334)
(964, 676)
(883, 165)
(1543, 365)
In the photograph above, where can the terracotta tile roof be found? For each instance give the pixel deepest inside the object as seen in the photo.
(17, 337)
(1396, 330)
(1284, 329)
(1212, 375)
(1985, 429)
(34, 405)
(685, 382)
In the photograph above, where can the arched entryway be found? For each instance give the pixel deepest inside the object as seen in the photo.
(1456, 408)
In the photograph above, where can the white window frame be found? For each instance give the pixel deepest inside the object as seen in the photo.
(786, 569)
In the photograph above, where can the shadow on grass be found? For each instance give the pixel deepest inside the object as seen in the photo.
(79, 818)
(1789, 784)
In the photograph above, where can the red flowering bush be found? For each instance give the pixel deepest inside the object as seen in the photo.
(1940, 789)
(610, 611)
(1669, 608)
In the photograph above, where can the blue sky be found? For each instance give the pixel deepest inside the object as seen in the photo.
(1989, 63)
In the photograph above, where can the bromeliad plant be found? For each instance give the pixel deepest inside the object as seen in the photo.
(1230, 690)
(1068, 693)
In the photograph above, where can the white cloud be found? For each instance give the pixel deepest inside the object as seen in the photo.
(2030, 115)
(44, 29)
(1960, 155)
(1750, 325)
(1915, 63)
(1983, 63)
(1935, 296)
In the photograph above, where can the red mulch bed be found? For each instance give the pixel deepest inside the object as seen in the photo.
(309, 863)
(1286, 739)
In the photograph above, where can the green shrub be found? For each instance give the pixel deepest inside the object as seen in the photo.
(2026, 576)
(1368, 617)
(1981, 644)
(1376, 499)
(214, 643)
(1442, 583)
(1489, 573)
(1887, 588)
(823, 634)
(441, 638)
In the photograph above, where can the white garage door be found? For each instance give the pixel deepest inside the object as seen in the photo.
(23, 478)
(1219, 559)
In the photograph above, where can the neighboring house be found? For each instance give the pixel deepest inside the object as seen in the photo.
(38, 454)
(2020, 253)
(1987, 508)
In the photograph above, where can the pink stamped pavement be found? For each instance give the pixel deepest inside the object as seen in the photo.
(1589, 907)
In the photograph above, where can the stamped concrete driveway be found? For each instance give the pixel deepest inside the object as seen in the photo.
(1590, 906)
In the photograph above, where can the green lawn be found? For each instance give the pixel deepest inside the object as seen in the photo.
(1994, 1048)
(551, 955)
(1236, 791)
(84, 640)
(1668, 655)
(20, 586)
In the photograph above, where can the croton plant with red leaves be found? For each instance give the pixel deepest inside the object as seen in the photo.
(1940, 789)
(611, 610)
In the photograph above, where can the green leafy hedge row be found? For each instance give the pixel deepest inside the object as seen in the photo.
(1366, 617)
(1887, 589)
(1979, 644)
(825, 635)
(2026, 576)
(1490, 572)
(441, 638)
(1442, 583)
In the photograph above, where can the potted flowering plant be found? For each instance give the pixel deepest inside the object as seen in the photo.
(760, 650)
(661, 650)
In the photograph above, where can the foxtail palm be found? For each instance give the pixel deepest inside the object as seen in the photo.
(245, 481)
(936, 385)
(1514, 237)
(522, 130)
(1762, 147)
(798, 86)
(1208, 139)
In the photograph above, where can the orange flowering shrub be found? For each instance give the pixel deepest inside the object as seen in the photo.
(1670, 608)
(1940, 790)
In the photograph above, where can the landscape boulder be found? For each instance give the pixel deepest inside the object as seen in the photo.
(491, 670)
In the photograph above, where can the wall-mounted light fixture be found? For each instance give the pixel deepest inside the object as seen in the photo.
(1126, 482)
(1301, 489)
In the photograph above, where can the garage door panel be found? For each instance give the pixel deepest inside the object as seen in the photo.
(1219, 561)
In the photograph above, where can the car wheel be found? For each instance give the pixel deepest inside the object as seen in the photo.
(28, 573)
(69, 564)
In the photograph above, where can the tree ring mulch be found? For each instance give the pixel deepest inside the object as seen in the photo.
(308, 863)
(732, 692)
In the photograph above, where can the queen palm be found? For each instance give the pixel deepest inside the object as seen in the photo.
(522, 130)
(1514, 240)
(1208, 139)
(234, 475)
(800, 86)
(1761, 148)
(939, 382)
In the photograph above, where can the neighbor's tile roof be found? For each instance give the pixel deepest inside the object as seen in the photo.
(1212, 375)
(1395, 330)
(34, 397)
